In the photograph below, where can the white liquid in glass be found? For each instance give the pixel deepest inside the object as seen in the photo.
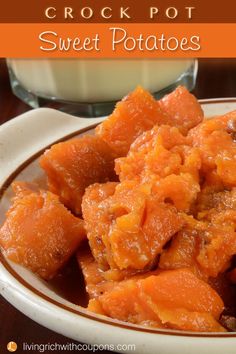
(88, 80)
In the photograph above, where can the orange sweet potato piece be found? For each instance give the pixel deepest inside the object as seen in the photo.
(135, 246)
(216, 143)
(73, 165)
(187, 291)
(123, 303)
(95, 282)
(21, 189)
(173, 299)
(217, 206)
(95, 306)
(217, 210)
(182, 253)
(135, 226)
(181, 190)
(203, 246)
(97, 221)
(211, 195)
(136, 113)
(226, 168)
(181, 109)
(150, 154)
(39, 232)
(215, 256)
(182, 319)
(98, 281)
(163, 158)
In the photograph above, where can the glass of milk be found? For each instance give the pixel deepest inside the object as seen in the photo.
(90, 88)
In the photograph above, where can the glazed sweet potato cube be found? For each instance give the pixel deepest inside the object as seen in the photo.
(185, 320)
(150, 154)
(122, 303)
(217, 206)
(21, 189)
(98, 281)
(95, 282)
(181, 109)
(180, 190)
(157, 153)
(40, 233)
(182, 252)
(174, 299)
(226, 168)
(214, 125)
(212, 193)
(217, 211)
(187, 291)
(206, 247)
(97, 221)
(215, 139)
(220, 246)
(163, 158)
(132, 227)
(135, 245)
(100, 209)
(136, 113)
(73, 165)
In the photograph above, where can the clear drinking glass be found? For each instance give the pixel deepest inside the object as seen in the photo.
(90, 88)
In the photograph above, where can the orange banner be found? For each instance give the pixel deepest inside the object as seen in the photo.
(117, 40)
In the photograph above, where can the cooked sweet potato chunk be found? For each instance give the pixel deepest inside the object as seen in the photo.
(99, 281)
(151, 156)
(215, 256)
(132, 226)
(95, 282)
(182, 252)
(73, 165)
(163, 158)
(205, 247)
(175, 299)
(21, 189)
(216, 142)
(181, 109)
(180, 190)
(187, 291)
(136, 113)
(97, 221)
(39, 232)
(135, 245)
(213, 197)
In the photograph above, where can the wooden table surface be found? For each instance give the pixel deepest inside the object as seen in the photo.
(216, 78)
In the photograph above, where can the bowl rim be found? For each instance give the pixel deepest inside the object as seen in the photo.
(84, 313)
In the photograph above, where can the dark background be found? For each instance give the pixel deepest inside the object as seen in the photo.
(216, 78)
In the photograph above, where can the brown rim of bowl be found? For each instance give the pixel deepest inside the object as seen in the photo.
(92, 316)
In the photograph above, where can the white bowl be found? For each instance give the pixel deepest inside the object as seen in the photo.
(21, 140)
